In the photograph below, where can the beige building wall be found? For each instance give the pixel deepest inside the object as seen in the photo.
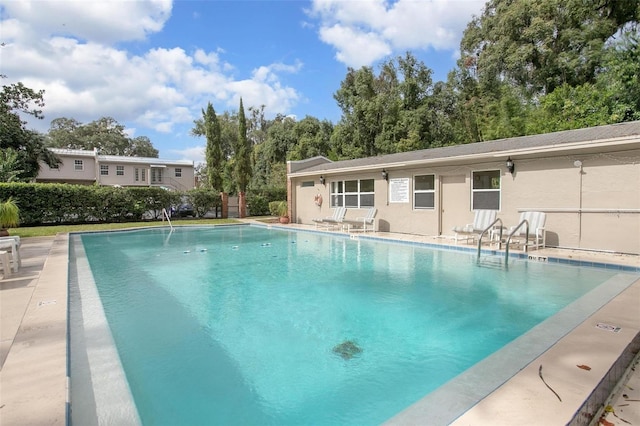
(183, 182)
(592, 201)
(119, 171)
(67, 170)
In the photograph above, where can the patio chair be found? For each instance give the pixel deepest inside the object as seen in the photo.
(12, 244)
(537, 237)
(5, 263)
(331, 221)
(481, 221)
(362, 222)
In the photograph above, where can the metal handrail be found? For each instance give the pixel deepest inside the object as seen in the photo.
(165, 214)
(526, 238)
(485, 231)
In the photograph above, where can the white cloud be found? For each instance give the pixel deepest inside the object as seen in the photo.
(363, 32)
(67, 48)
(195, 154)
(99, 21)
(363, 48)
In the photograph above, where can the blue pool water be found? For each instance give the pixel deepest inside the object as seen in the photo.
(238, 325)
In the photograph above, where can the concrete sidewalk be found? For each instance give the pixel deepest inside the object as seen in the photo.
(33, 302)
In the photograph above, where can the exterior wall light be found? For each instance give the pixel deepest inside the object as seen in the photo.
(322, 180)
(510, 165)
(385, 175)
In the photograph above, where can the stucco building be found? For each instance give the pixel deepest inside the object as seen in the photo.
(89, 167)
(587, 181)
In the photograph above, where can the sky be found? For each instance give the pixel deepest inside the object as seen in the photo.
(153, 65)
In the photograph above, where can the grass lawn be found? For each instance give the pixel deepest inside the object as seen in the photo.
(44, 231)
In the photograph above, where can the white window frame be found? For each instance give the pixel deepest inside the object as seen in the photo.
(78, 165)
(424, 191)
(119, 170)
(490, 190)
(156, 175)
(178, 172)
(104, 170)
(339, 194)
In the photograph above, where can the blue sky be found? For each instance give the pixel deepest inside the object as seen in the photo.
(153, 65)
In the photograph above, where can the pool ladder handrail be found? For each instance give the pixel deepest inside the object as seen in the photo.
(165, 214)
(487, 229)
(512, 233)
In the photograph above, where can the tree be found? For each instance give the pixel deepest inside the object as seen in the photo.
(540, 45)
(384, 113)
(141, 146)
(312, 138)
(242, 153)
(620, 76)
(213, 152)
(16, 99)
(9, 165)
(105, 134)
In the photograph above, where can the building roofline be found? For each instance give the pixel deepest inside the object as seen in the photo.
(119, 158)
(620, 135)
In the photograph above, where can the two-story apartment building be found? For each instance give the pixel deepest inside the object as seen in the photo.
(89, 167)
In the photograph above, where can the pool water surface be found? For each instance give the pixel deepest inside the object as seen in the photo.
(250, 325)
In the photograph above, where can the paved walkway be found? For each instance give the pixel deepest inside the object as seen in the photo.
(33, 378)
(33, 302)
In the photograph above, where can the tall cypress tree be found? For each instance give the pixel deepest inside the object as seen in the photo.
(215, 161)
(243, 153)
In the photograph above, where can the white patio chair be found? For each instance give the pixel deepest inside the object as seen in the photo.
(12, 244)
(331, 221)
(481, 221)
(362, 222)
(537, 237)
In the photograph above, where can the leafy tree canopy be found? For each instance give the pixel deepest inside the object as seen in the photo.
(105, 134)
(28, 145)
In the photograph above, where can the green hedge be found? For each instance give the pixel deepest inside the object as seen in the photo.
(65, 203)
(259, 202)
(54, 203)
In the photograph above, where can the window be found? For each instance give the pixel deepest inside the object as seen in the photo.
(156, 175)
(120, 170)
(307, 183)
(178, 172)
(140, 172)
(424, 190)
(104, 169)
(352, 193)
(486, 190)
(78, 165)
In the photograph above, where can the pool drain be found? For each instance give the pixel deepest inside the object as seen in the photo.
(347, 349)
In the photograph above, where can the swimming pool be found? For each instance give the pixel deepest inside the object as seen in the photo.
(259, 326)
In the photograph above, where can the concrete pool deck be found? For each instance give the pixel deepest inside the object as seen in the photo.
(33, 350)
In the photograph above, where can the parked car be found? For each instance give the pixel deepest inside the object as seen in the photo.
(185, 210)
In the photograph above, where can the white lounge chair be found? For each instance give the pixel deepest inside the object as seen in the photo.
(12, 244)
(362, 222)
(537, 237)
(481, 221)
(331, 221)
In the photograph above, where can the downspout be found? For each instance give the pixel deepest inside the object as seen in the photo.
(96, 166)
(578, 163)
(291, 202)
(440, 209)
